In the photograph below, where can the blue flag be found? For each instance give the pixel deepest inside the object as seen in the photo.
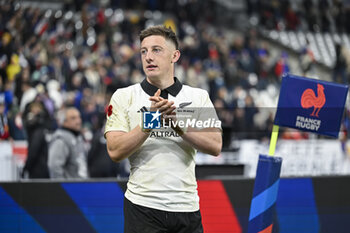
(311, 105)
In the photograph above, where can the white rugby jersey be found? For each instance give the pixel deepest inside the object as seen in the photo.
(162, 174)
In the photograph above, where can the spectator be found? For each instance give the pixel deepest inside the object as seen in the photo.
(6, 95)
(36, 120)
(17, 130)
(339, 71)
(67, 154)
(282, 65)
(196, 77)
(99, 48)
(339, 15)
(307, 60)
(4, 127)
(291, 17)
(99, 162)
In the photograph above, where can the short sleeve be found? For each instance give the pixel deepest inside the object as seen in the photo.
(117, 117)
(207, 112)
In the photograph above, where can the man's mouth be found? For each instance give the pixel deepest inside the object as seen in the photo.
(151, 67)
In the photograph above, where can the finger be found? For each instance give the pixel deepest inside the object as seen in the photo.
(157, 94)
(160, 104)
(166, 106)
(155, 98)
(172, 115)
(168, 111)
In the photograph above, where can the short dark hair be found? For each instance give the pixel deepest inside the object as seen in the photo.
(160, 30)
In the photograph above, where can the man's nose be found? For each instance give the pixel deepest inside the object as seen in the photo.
(149, 56)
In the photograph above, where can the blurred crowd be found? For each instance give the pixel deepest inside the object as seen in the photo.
(306, 15)
(317, 16)
(80, 54)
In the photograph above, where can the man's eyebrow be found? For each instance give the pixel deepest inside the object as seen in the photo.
(154, 46)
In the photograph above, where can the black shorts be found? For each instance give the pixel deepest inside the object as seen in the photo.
(140, 219)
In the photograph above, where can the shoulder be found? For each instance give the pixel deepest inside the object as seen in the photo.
(198, 96)
(127, 90)
(62, 136)
(195, 92)
(123, 97)
(57, 142)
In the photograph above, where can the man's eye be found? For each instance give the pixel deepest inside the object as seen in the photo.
(143, 52)
(156, 50)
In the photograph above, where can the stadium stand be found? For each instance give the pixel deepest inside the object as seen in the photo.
(79, 52)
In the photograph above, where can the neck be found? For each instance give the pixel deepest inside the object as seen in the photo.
(76, 133)
(161, 83)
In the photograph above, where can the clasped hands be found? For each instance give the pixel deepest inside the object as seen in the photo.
(164, 106)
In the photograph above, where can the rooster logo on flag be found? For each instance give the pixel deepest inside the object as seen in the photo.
(309, 99)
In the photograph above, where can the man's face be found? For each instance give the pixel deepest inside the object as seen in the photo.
(157, 55)
(73, 120)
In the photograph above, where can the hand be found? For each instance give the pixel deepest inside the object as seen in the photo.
(167, 109)
(164, 106)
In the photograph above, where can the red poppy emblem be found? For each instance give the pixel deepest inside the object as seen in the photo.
(109, 110)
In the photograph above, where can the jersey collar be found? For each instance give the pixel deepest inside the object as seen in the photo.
(173, 89)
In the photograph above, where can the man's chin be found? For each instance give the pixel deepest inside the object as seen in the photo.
(152, 75)
(78, 129)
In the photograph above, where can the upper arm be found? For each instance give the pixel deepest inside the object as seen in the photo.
(117, 117)
(207, 112)
(58, 153)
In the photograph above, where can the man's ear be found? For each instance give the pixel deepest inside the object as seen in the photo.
(176, 56)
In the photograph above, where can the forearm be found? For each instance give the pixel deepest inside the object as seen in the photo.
(208, 140)
(121, 145)
(56, 172)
